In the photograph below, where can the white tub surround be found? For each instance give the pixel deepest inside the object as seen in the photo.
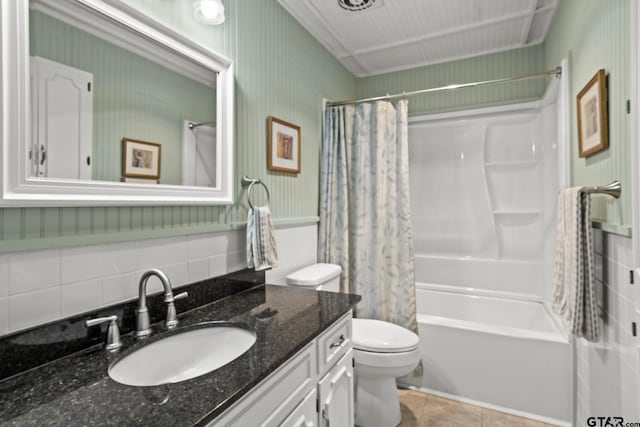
(484, 189)
(493, 176)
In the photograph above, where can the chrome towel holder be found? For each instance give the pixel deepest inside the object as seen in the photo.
(612, 189)
(248, 183)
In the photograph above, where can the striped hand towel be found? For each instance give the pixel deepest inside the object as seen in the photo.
(574, 295)
(262, 252)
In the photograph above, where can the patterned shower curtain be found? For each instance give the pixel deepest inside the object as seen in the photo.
(365, 212)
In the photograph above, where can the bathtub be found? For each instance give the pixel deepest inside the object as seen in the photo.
(500, 353)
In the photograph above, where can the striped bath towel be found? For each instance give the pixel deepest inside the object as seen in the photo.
(574, 295)
(262, 252)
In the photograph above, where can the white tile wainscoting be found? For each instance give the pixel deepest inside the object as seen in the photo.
(607, 371)
(41, 286)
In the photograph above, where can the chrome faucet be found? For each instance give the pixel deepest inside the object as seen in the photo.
(143, 324)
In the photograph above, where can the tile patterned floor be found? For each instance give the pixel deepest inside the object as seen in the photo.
(425, 410)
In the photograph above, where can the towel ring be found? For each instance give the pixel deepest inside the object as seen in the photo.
(250, 182)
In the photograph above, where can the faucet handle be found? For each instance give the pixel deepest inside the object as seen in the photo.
(113, 332)
(172, 316)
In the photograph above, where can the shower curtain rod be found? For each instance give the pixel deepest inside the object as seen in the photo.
(556, 72)
(192, 125)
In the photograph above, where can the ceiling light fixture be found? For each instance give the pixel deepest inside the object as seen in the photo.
(209, 12)
(356, 5)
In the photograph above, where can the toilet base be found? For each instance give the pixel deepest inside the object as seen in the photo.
(377, 403)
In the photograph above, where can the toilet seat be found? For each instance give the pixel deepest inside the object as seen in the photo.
(377, 336)
(382, 365)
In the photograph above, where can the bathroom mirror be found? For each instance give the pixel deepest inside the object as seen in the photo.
(111, 106)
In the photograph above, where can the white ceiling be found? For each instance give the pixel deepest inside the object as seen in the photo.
(397, 35)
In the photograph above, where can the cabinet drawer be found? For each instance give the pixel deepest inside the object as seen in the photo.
(275, 397)
(334, 343)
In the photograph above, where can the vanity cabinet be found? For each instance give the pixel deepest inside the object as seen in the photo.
(313, 388)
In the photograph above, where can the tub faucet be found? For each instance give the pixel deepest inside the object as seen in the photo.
(143, 324)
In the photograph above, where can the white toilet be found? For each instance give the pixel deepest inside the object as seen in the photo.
(382, 352)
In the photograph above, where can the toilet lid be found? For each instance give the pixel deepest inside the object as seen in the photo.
(314, 275)
(382, 337)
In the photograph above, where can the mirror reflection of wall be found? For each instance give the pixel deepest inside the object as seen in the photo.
(89, 93)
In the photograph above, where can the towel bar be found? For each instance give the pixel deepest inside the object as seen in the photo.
(612, 189)
(250, 182)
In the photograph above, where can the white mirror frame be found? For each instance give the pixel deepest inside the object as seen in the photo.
(18, 189)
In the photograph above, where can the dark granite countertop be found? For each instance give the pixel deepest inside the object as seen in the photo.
(76, 390)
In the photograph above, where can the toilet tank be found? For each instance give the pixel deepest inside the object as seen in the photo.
(321, 277)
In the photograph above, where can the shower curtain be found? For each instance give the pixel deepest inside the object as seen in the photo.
(365, 217)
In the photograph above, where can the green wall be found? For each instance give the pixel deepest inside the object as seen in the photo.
(281, 70)
(132, 96)
(488, 67)
(594, 34)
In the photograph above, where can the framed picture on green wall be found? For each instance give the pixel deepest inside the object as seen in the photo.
(284, 146)
(593, 126)
(140, 159)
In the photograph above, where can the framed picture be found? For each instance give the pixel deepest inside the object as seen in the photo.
(593, 126)
(140, 159)
(284, 146)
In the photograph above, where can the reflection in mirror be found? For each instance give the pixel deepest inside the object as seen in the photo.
(104, 108)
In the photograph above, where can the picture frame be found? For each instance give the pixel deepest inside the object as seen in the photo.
(140, 180)
(593, 122)
(141, 159)
(284, 146)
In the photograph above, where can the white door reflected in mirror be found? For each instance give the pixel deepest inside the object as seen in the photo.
(62, 117)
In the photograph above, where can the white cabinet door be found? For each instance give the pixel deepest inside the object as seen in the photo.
(336, 394)
(62, 120)
(305, 414)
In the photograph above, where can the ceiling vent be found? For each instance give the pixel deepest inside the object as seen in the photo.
(356, 5)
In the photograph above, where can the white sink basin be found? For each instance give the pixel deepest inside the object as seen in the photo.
(183, 356)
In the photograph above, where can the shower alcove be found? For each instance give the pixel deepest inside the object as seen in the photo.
(484, 187)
